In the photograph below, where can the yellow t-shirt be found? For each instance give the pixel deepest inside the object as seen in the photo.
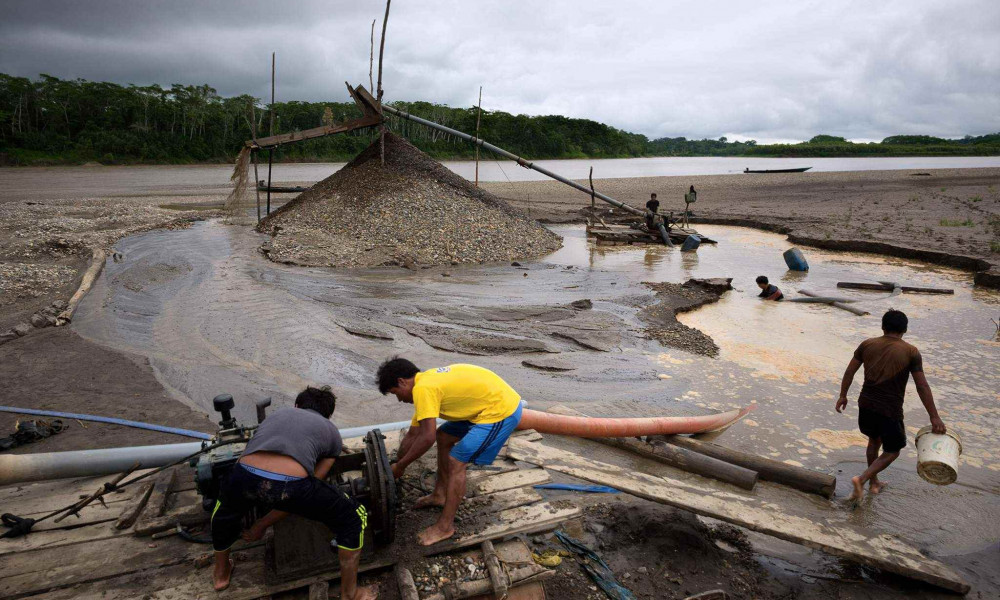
(462, 393)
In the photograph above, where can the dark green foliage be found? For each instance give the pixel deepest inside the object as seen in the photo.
(827, 139)
(51, 121)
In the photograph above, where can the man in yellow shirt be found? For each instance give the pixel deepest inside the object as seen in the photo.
(481, 411)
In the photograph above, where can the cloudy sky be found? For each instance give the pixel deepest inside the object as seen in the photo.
(764, 70)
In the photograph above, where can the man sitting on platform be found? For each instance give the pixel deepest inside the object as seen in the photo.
(282, 471)
(481, 411)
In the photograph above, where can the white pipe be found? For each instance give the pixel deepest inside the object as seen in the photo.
(20, 468)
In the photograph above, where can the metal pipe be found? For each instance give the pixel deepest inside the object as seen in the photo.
(19, 468)
(664, 235)
(508, 155)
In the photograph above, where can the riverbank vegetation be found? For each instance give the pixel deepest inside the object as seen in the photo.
(54, 121)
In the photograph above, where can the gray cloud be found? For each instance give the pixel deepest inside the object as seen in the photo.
(765, 70)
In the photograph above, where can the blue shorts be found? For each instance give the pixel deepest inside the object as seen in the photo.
(481, 442)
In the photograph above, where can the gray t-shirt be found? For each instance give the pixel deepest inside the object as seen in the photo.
(300, 433)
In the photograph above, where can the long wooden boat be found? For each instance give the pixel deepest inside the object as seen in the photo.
(282, 190)
(799, 170)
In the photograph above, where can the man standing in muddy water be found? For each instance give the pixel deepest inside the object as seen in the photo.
(888, 362)
(481, 411)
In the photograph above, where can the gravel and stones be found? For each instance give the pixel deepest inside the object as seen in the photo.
(411, 211)
(661, 318)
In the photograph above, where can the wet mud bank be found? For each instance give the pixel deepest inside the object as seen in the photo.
(58, 370)
(674, 298)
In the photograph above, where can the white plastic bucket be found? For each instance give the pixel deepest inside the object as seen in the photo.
(937, 456)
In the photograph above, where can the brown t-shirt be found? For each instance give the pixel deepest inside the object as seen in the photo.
(888, 363)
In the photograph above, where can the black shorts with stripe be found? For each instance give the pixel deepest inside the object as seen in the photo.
(308, 497)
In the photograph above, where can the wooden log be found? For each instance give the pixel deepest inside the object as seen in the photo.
(191, 515)
(89, 277)
(767, 469)
(498, 579)
(687, 460)
(479, 587)
(407, 587)
(885, 287)
(840, 305)
(319, 591)
(131, 512)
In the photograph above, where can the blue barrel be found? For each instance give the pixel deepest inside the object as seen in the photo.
(691, 243)
(795, 260)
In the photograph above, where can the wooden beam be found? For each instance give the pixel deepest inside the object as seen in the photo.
(131, 513)
(407, 587)
(508, 481)
(316, 132)
(753, 512)
(885, 287)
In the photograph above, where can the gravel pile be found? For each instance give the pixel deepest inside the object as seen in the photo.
(411, 211)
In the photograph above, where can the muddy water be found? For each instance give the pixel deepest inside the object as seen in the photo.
(213, 316)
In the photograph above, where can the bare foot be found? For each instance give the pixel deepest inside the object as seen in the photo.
(875, 486)
(859, 490)
(364, 593)
(223, 574)
(434, 534)
(430, 500)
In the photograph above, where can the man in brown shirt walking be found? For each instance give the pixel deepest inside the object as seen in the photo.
(888, 362)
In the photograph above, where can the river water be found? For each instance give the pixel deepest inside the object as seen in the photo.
(190, 180)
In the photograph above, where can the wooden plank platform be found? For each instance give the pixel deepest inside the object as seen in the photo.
(90, 558)
(751, 511)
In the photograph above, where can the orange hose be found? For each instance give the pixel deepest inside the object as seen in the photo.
(590, 427)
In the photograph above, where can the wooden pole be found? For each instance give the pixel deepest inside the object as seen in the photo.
(270, 157)
(479, 110)
(371, 57)
(593, 203)
(498, 579)
(272, 94)
(381, 51)
(478, 587)
(885, 287)
(256, 183)
(769, 470)
(270, 151)
(841, 305)
(687, 460)
(407, 587)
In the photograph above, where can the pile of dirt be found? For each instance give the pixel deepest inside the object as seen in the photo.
(409, 211)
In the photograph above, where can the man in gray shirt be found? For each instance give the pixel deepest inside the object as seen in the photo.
(283, 471)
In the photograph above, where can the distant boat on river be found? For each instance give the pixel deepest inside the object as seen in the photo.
(799, 170)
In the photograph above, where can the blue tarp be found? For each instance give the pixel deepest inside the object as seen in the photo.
(578, 487)
(598, 570)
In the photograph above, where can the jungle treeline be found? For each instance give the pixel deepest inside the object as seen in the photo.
(55, 121)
